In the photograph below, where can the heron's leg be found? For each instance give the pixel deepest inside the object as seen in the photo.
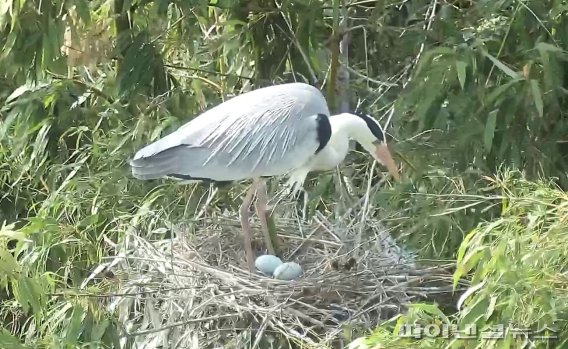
(261, 205)
(245, 225)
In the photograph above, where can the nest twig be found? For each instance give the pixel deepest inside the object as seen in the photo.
(193, 291)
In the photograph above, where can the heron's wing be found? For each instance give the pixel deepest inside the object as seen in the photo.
(268, 131)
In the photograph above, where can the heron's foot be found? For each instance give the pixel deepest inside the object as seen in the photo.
(294, 184)
(293, 190)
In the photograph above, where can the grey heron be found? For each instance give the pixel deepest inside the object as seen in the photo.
(278, 130)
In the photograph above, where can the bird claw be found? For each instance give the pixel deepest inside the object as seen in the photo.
(293, 190)
(295, 184)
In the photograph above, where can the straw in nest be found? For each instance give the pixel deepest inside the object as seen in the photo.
(193, 291)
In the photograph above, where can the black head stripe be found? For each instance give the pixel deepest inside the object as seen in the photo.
(323, 131)
(373, 126)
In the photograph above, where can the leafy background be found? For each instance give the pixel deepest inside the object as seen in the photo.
(473, 93)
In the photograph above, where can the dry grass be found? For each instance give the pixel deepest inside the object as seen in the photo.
(193, 291)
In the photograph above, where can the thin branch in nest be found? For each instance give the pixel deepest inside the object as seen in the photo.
(182, 323)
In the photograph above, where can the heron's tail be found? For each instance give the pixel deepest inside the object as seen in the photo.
(152, 167)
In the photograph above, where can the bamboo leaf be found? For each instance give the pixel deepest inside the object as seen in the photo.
(461, 71)
(470, 291)
(17, 93)
(491, 307)
(499, 90)
(468, 263)
(99, 330)
(40, 142)
(74, 327)
(501, 66)
(8, 264)
(428, 56)
(472, 314)
(26, 292)
(489, 132)
(431, 309)
(537, 96)
(9, 44)
(9, 341)
(83, 10)
(544, 46)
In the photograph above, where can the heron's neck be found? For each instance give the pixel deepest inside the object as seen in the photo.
(342, 130)
(344, 127)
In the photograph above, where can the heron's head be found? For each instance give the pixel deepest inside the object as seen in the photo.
(370, 135)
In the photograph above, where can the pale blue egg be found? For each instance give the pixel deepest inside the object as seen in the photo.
(287, 271)
(267, 264)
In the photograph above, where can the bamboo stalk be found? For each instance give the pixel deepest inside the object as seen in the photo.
(334, 64)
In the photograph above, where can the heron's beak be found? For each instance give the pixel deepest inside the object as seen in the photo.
(383, 156)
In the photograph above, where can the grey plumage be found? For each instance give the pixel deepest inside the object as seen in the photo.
(265, 132)
(277, 130)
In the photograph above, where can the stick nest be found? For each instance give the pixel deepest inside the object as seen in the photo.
(194, 291)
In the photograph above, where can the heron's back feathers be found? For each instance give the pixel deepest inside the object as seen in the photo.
(265, 132)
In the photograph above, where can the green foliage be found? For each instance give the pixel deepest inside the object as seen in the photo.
(517, 265)
(517, 262)
(434, 224)
(474, 85)
(495, 92)
(484, 94)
